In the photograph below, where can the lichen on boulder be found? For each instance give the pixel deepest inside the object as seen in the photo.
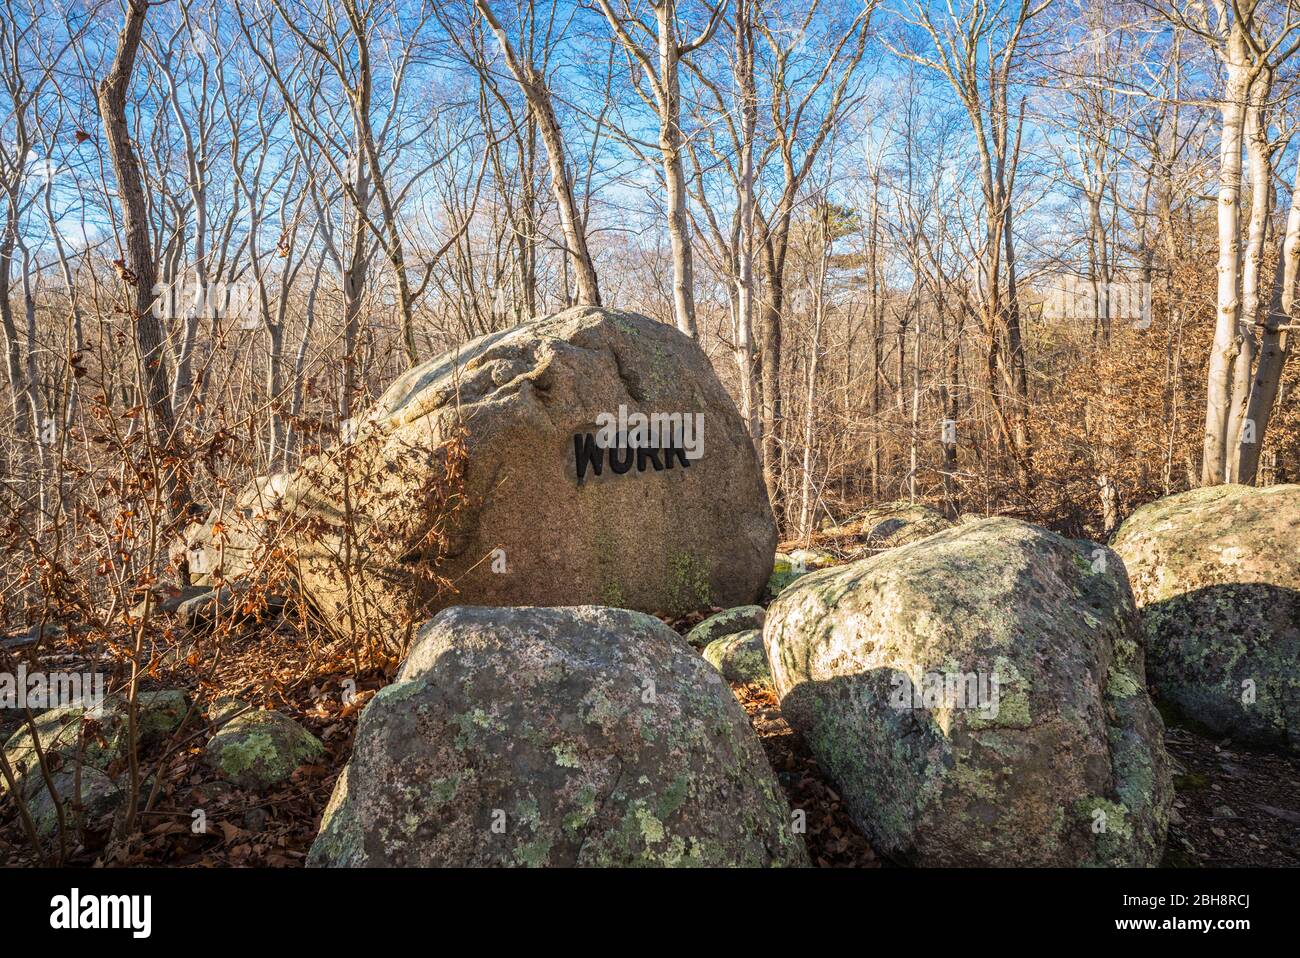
(740, 619)
(93, 734)
(1216, 575)
(978, 697)
(261, 748)
(740, 657)
(582, 736)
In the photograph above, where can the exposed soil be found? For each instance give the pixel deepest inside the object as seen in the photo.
(1234, 806)
(832, 840)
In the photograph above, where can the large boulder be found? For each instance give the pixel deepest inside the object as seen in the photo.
(570, 737)
(979, 698)
(547, 514)
(1216, 575)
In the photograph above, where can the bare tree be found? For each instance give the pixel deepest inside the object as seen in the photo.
(137, 269)
(660, 65)
(977, 48)
(538, 95)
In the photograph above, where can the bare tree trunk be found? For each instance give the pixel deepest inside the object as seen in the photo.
(1223, 353)
(745, 250)
(538, 96)
(948, 399)
(770, 349)
(810, 419)
(914, 460)
(139, 270)
(670, 148)
(1274, 344)
(1241, 429)
(355, 270)
(662, 67)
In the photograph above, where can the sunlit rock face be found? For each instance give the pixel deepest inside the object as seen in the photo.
(604, 463)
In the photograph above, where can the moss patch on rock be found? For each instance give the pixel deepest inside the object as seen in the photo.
(261, 748)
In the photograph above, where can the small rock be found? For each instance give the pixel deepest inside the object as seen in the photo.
(1286, 814)
(98, 797)
(99, 735)
(740, 658)
(227, 604)
(255, 820)
(169, 598)
(159, 714)
(51, 633)
(226, 708)
(740, 619)
(261, 748)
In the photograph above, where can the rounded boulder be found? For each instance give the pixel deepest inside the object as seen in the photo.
(555, 737)
(979, 698)
(1216, 575)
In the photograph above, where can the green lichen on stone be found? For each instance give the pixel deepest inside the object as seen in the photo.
(399, 691)
(473, 725)
(741, 658)
(935, 779)
(261, 748)
(1121, 685)
(673, 797)
(622, 782)
(443, 790)
(98, 797)
(238, 755)
(584, 810)
(566, 755)
(652, 829)
(688, 584)
(740, 619)
(534, 854)
(1109, 826)
(1216, 575)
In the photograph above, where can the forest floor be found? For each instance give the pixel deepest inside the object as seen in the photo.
(1234, 806)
